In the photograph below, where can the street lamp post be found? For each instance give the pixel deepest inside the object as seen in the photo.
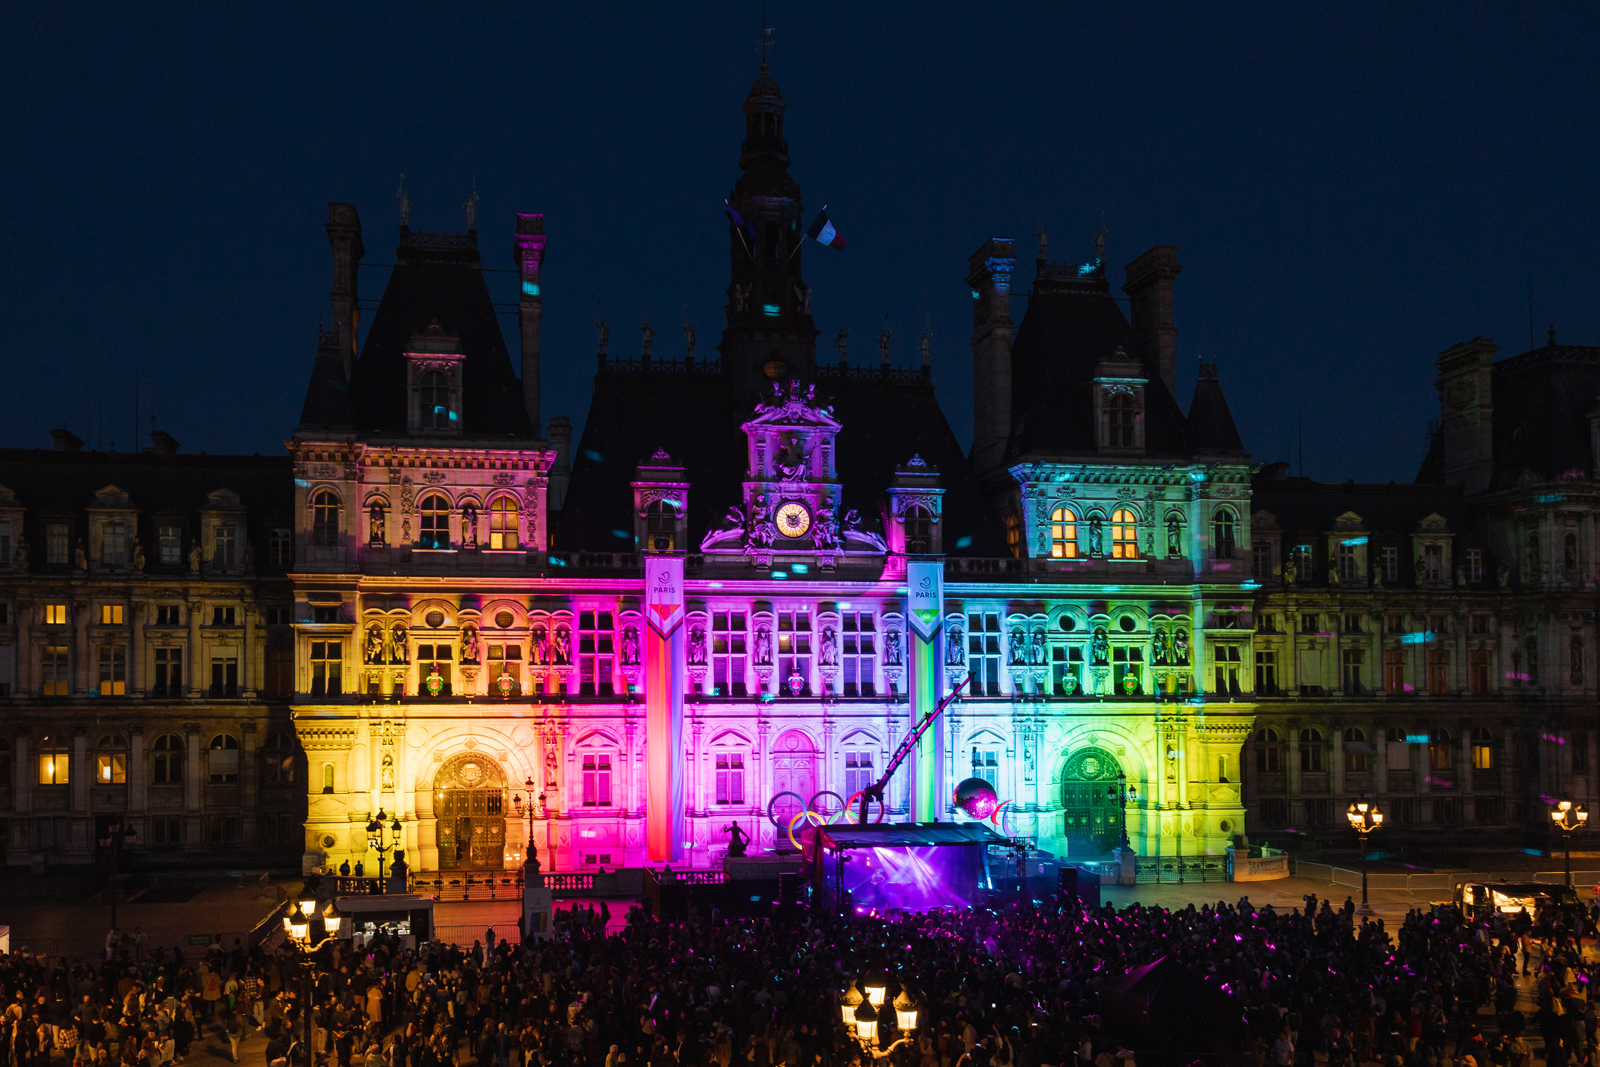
(298, 927)
(531, 857)
(1364, 818)
(1567, 818)
(375, 830)
(117, 835)
(1124, 794)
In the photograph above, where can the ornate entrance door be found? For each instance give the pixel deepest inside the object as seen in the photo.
(794, 770)
(469, 803)
(1093, 813)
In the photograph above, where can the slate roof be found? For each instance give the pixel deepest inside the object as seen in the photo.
(1211, 427)
(54, 485)
(436, 280)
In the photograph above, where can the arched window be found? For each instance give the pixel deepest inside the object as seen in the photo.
(774, 241)
(503, 515)
(54, 762)
(325, 518)
(111, 760)
(435, 401)
(1223, 545)
(1440, 751)
(1063, 534)
(222, 759)
(166, 760)
(1119, 421)
(327, 777)
(1482, 749)
(1014, 535)
(1311, 750)
(1355, 750)
(1269, 751)
(277, 760)
(435, 531)
(1124, 534)
(661, 526)
(919, 529)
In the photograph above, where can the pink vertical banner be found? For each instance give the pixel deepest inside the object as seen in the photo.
(663, 698)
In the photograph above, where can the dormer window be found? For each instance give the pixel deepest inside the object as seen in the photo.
(660, 526)
(434, 401)
(1120, 421)
(433, 381)
(919, 530)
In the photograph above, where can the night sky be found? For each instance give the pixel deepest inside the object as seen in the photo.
(1351, 189)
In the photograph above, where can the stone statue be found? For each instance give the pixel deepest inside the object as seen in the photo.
(1422, 571)
(1180, 647)
(1576, 646)
(550, 764)
(830, 647)
(1100, 244)
(802, 293)
(649, 338)
(883, 342)
(841, 341)
(470, 206)
(1174, 543)
(1160, 646)
(630, 647)
(1096, 532)
(138, 555)
(388, 772)
(605, 334)
(81, 558)
(401, 195)
(563, 645)
(688, 340)
(249, 557)
(1044, 243)
(763, 646)
(925, 346)
(1100, 649)
(402, 648)
(1333, 571)
(697, 646)
(741, 295)
(1502, 575)
(469, 644)
(954, 653)
(373, 652)
(1036, 650)
(1018, 652)
(195, 555)
(737, 839)
(891, 649)
(469, 527)
(376, 520)
(1290, 571)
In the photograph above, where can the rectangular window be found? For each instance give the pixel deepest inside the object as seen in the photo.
(169, 673)
(1274, 813)
(54, 768)
(113, 673)
(114, 544)
(857, 772)
(729, 630)
(1266, 671)
(1394, 669)
(325, 614)
(434, 673)
(55, 614)
(794, 653)
(1319, 813)
(5, 544)
(169, 541)
(1474, 565)
(1352, 670)
(1301, 554)
(859, 653)
(1490, 811)
(280, 546)
(278, 672)
(1349, 569)
(279, 616)
(986, 765)
(1446, 811)
(1394, 624)
(110, 614)
(327, 663)
(1066, 670)
(1310, 624)
(224, 676)
(169, 615)
(223, 617)
(1438, 669)
(730, 778)
(983, 653)
(54, 679)
(1480, 624)
(505, 671)
(596, 639)
(55, 543)
(222, 829)
(1227, 662)
(1433, 562)
(1483, 755)
(1351, 624)
(225, 545)
(166, 830)
(52, 833)
(1261, 560)
(111, 768)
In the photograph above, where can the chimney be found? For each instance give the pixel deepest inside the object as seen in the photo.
(989, 278)
(1466, 413)
(66, 440)
(344, 235)
(1149, 289)
(163, 443)
(561, 469)
(528, 248)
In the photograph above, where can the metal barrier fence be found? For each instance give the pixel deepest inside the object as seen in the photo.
(1174, 871)
(466, 935)
(1436, 884)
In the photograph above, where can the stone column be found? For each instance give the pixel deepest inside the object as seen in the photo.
(81, 772)
(1291, 772)
(138, 780)
(247, 654)
(1380, 768)
(1336, 769)
(195, 607)
(136, 671)
(192, 767)
(249, 780)
(25, 650)
(80, 648)
(22, 783)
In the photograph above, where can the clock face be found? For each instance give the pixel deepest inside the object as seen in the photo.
(793, 519)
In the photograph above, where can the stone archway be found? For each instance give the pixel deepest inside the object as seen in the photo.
(469, 798)
(1092, 813)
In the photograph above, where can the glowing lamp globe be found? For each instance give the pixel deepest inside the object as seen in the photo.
(977, 798)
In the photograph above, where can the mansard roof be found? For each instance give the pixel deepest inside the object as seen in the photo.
(1211, 428)
(1073, 323)
(696, 416)
(436, 279)
(1302, 506)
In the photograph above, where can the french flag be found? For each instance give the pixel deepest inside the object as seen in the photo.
(822, 230)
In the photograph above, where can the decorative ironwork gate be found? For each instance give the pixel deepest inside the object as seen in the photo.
(469, 803)
(1093, 812)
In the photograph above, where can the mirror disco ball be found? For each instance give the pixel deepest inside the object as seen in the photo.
(977, 798)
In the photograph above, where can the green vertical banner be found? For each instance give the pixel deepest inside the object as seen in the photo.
(925, 619)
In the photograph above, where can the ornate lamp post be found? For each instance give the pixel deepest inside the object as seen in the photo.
(530, 861)
(1567, 817)
(375, 830)
(1364, 818)
(1124, 794)
(117, 835)
(298, 925)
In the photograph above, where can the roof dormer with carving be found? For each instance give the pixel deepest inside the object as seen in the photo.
(792, 493)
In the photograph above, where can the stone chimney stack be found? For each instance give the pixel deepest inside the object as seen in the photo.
(989, 277)
(561, 469)
(1466, 413)
(344, 235)
(1149, 289)
(528, 247)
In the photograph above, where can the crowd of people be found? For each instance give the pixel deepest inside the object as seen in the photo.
(1013, 986)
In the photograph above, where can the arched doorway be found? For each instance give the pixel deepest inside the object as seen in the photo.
(1092, 811)
(469, 795)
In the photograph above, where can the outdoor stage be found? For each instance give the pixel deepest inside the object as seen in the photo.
(914, 866)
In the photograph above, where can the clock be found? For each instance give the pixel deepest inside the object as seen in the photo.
(793, 519)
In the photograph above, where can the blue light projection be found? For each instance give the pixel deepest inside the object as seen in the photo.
(1088, 268)
(769, 309)
(592, 455)
(963, 542)
(530, 288)
(1418, 639)
(780, 575)
(1354, 541)
(800, 568)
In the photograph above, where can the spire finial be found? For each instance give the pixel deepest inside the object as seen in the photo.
(766, 38)
(401, 195)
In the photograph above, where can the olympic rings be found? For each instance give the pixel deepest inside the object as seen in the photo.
(772, 808)
(835, 817)
(851, 802)
(808, 813)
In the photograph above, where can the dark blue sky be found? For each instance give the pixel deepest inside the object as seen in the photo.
(1351, 190)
